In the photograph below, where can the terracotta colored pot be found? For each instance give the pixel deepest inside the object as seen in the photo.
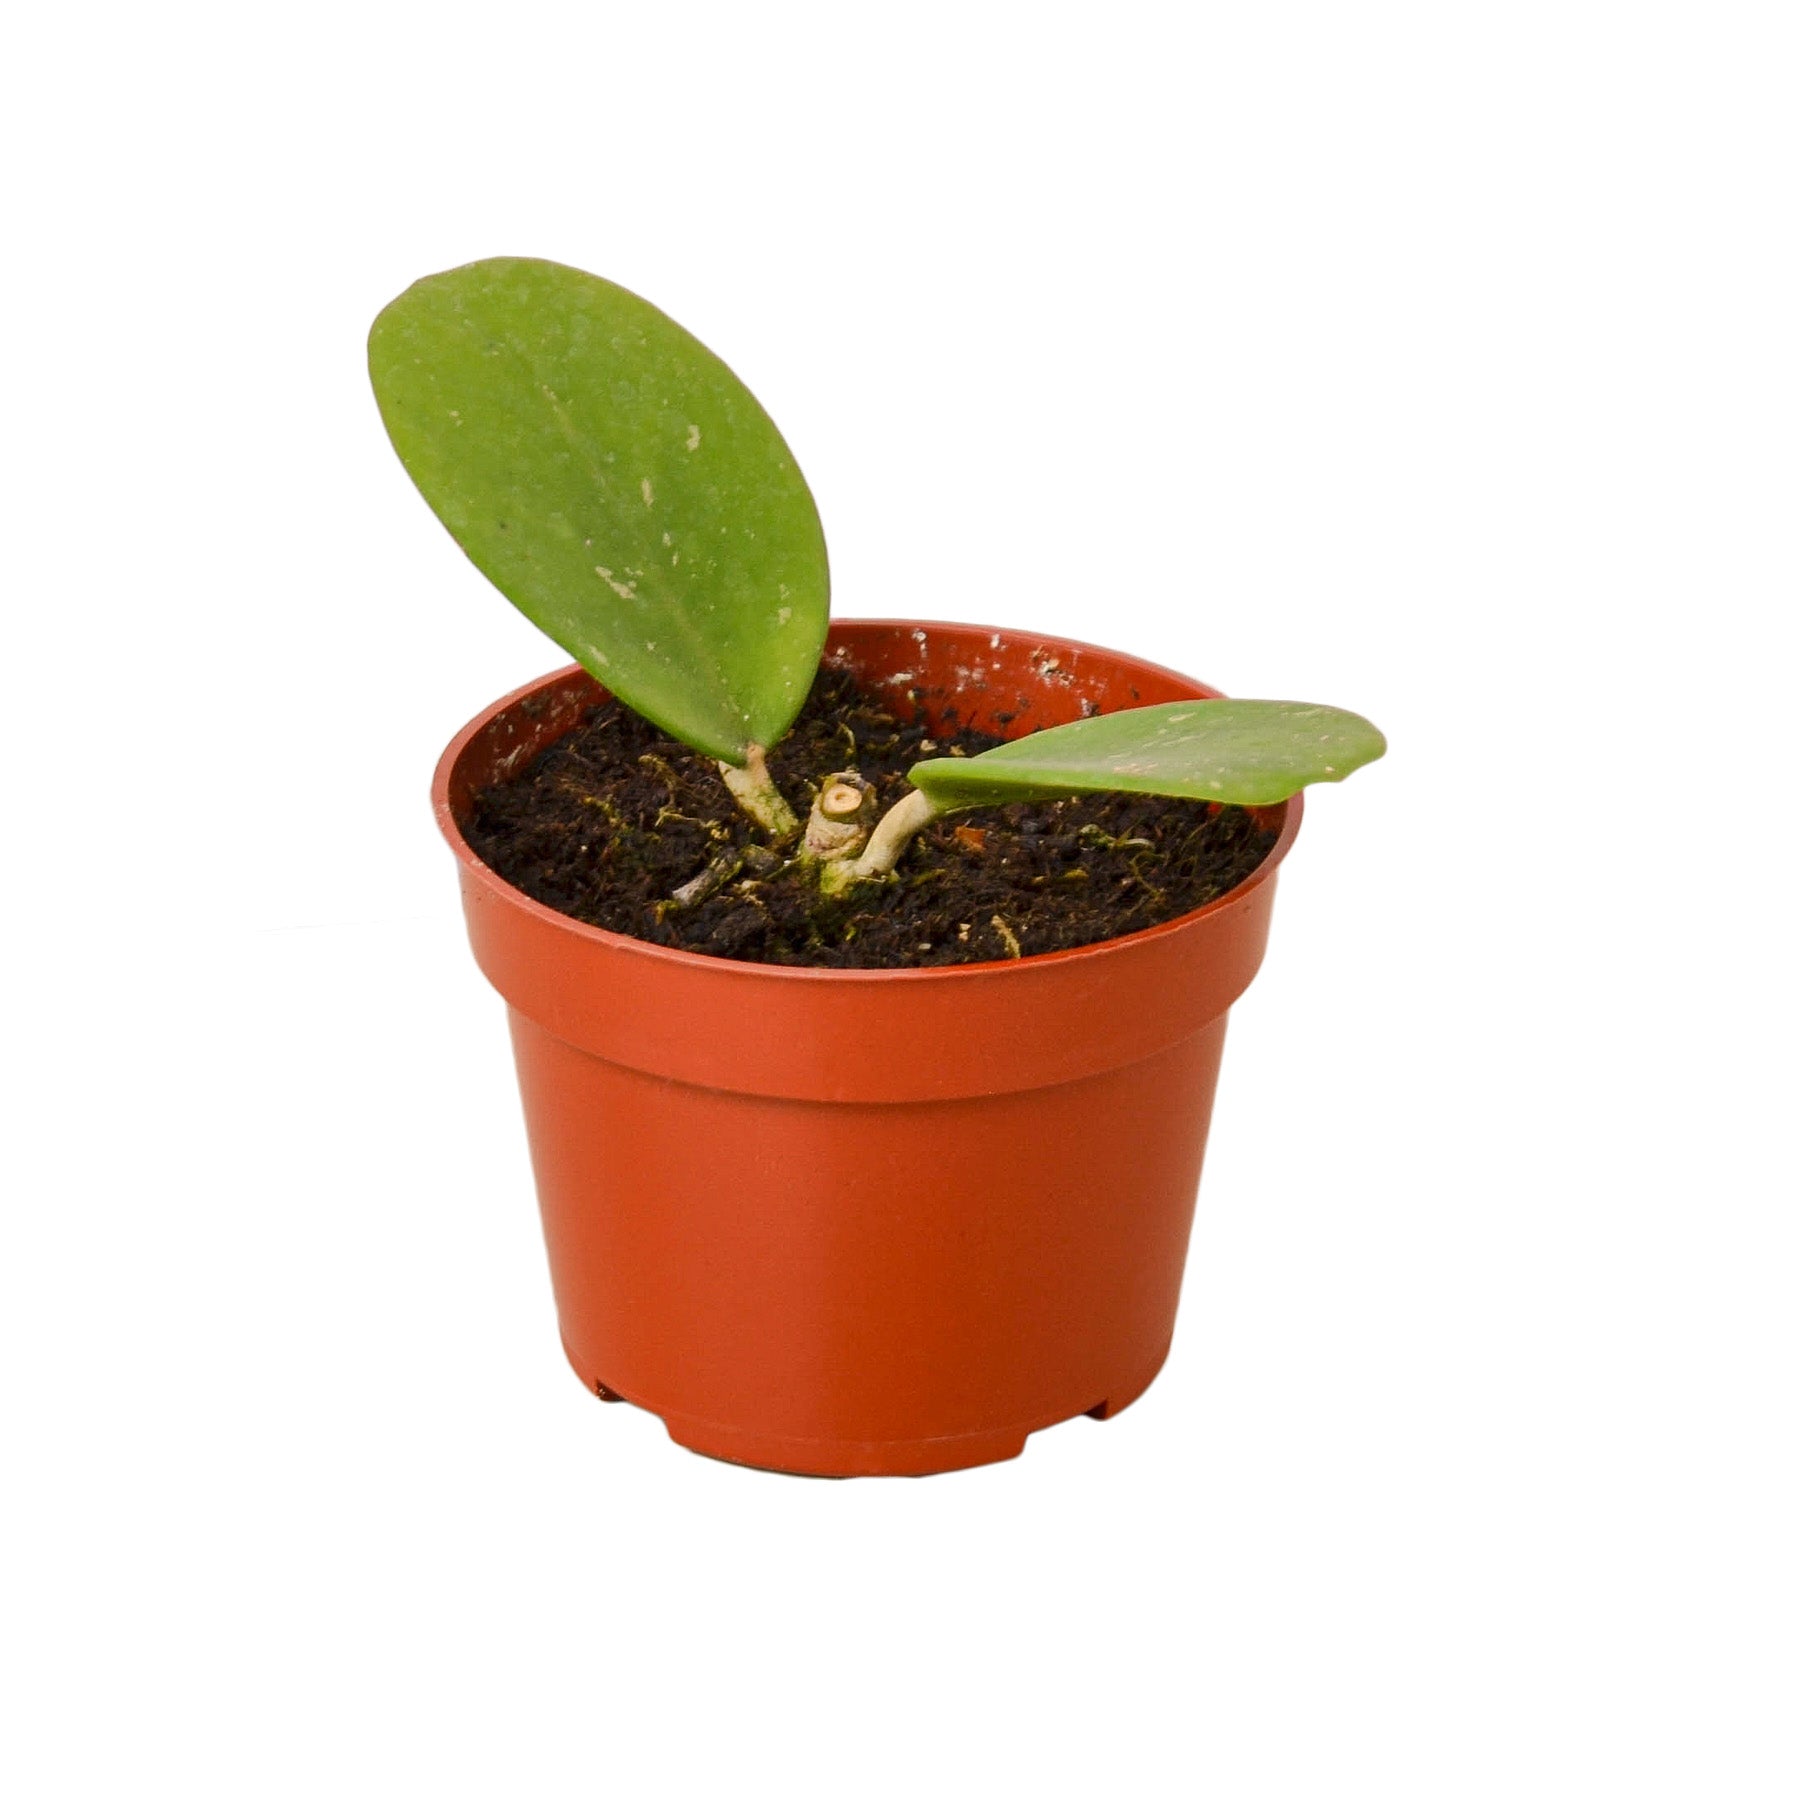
(865, 1221)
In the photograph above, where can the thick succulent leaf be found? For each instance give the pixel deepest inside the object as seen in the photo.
(618, 484)
(1246, 752)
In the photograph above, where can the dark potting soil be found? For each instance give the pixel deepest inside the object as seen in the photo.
(611, 819)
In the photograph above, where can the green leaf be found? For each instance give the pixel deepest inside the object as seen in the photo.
(618, 484)
(1245, 752)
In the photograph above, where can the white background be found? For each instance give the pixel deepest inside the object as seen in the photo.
(1433, 360)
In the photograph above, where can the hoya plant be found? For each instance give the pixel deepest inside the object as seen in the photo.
(623, 489)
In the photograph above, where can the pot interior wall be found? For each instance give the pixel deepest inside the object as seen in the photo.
(1008, 683)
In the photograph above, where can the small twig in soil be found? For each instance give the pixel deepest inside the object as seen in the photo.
(710, 879)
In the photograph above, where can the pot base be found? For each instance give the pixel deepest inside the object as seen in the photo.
(826, 1458)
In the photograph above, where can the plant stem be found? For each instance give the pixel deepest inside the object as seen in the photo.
(899, 826)
(838, 826)
(754, 789)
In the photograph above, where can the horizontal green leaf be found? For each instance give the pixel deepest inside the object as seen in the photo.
(618, 484)
(1245, 752)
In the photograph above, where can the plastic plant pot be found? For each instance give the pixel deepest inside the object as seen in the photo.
(861, 1222)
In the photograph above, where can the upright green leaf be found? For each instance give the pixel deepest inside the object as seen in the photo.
(1246, 752)
(618, 484)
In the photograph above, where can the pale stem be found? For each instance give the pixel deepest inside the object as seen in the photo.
(902, 822)
(838, 826)
(754, 789)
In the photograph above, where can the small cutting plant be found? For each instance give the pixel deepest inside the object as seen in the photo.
(626, 492)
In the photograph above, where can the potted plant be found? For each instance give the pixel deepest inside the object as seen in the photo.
(870, 1180)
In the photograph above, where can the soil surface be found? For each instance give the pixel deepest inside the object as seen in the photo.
(612, 819)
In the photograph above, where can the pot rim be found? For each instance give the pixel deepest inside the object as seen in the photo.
(619, 942)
